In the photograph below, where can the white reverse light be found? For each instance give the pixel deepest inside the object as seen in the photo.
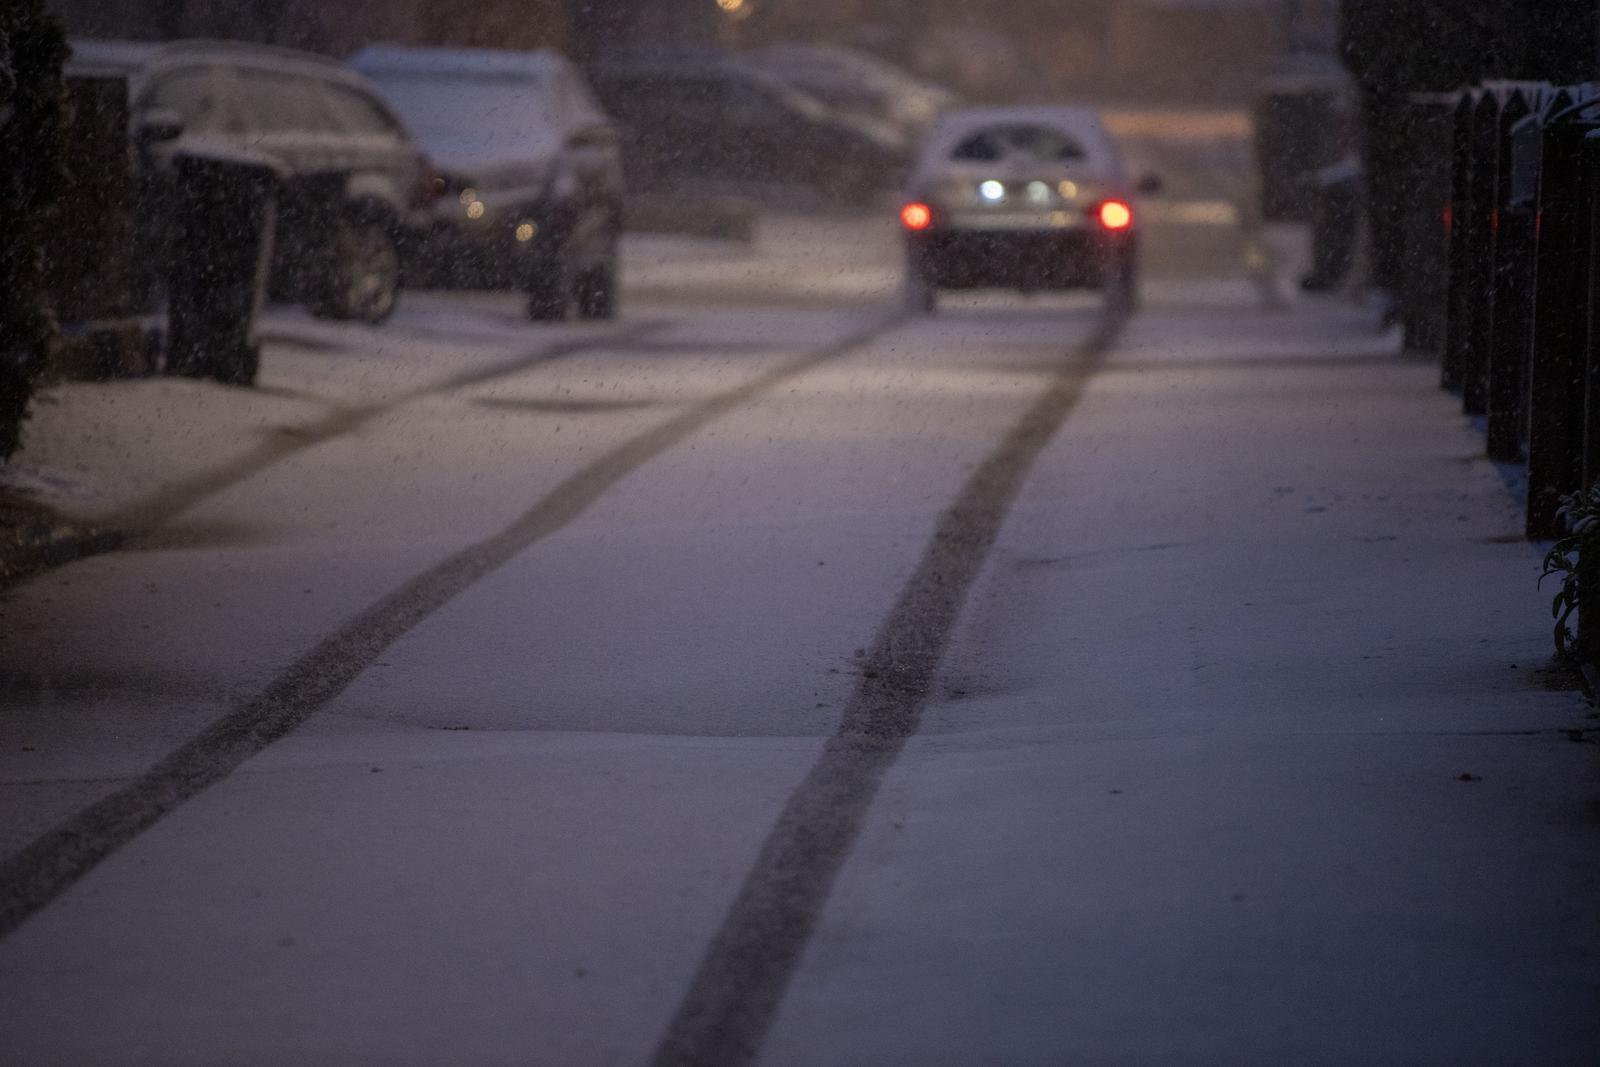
(1039, 192)
(992, 191)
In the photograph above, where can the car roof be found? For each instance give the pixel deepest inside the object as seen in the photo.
(459, 62)
(713, 66)
(688, 65)
(141, 59)
(1080, 123)
(106, 58)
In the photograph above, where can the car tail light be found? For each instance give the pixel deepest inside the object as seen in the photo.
(916, 216)
(1115, 215)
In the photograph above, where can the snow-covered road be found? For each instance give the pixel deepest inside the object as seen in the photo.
(770, 676)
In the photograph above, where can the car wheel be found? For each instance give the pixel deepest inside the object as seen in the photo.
(549, 293)
(363, 282)
(597, 291)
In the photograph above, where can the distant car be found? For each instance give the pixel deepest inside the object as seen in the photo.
(358, 178)
(719, 122)
(530, 171)
(858, 82)
(1021, 198)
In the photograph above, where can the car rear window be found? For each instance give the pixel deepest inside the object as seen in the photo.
(1031, 143)
(460, 117)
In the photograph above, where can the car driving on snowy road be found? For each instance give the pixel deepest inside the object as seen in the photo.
(1022, 198)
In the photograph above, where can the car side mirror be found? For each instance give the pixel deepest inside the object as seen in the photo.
(1150, 185)
(158, 126)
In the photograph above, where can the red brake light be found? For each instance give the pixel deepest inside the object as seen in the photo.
(1116, 215)
(916, 216)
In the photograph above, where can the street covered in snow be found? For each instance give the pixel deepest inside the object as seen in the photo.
(774, 675)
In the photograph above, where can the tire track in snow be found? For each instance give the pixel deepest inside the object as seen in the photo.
(44, 869)
(737, 990)
(141, 516)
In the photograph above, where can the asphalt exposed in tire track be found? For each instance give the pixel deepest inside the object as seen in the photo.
(41, 871)
(737, 990)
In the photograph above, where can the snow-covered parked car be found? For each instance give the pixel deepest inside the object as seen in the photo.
(357, 179)
(530, 173)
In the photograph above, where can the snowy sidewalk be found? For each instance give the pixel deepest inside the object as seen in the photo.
(1248, 750)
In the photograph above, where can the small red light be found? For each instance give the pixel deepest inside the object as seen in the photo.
(1115, 215)
(916, 216)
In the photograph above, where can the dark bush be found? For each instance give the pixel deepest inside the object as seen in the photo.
(33, 49)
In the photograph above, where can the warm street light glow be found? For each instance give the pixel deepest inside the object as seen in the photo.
(731, 6)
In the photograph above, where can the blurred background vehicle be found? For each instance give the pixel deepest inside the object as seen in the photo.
(1020, 198)
(529, 171)
(857, 82)
(712, 123)
(359, 178)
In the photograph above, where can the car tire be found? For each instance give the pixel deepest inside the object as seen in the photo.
(597, 291)
(549, 293)
(363, 281)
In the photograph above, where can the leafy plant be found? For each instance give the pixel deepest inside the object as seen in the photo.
(1567, 557)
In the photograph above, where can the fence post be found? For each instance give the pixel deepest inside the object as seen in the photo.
(1511, 283)
(1480, 250)
(1557, 388)
(1427, 236)
(1458, 305)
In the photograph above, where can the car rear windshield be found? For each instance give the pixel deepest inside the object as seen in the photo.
(459, 117)
(1030, 143)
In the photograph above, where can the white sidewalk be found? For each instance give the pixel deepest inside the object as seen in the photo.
(1253, 757)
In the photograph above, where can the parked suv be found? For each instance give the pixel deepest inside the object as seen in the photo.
(358, 182)
(530, 170)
